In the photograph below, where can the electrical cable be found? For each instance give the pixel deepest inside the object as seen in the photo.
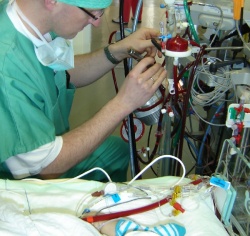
(224, 117)
(205, 121)
(244, 29)
(241, 37)
(158, 158)
(218, 27)
(74, 178)
(190, 144)
(220, 82)
(87, 172)
(194, 157)
(199, 158)
(220, 22)
(188, 172)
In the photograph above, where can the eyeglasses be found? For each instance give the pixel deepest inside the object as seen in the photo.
(95, 17)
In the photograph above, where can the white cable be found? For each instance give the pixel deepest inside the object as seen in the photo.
(219, 25)
(221, 18)
(221, 81)
(158, 158)
(89, 171)
(203, 118)
(241, 37)
(77, 177)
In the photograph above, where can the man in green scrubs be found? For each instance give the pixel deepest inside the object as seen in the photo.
(38, 78)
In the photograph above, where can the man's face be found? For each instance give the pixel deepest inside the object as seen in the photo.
(70, 20)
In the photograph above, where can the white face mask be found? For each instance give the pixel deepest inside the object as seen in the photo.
(57, 54)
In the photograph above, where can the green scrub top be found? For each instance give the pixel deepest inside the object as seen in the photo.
(35, 101)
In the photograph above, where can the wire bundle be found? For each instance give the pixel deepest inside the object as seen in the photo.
(219, 83)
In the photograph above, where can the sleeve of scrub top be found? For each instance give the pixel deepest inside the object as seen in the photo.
(31, 163)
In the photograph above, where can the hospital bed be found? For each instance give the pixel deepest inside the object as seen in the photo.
(56, 207)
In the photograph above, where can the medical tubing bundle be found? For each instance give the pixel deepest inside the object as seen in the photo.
(161, 88)
(176, 131)
(127, 121)
(151, 206)
(186, 102)
(114, 215)
(199, 157)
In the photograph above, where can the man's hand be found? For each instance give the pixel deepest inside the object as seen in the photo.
(140, 40)
(140, 84)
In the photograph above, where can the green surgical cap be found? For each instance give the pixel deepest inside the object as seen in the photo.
(91, 4)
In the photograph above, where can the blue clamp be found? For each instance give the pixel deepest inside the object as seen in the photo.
(219, 183)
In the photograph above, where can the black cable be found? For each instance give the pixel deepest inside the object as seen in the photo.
(244, 29)
(131, 133)
(223, 121)
(188, 172)
(191, 151)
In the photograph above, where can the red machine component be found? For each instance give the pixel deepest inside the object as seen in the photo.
(177, 44)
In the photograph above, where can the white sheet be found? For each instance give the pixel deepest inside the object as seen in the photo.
(38, 207)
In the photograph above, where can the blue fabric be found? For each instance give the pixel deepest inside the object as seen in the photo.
(124, 226)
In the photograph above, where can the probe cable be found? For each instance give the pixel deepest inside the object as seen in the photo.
(115, 215)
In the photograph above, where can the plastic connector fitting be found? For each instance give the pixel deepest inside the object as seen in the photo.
(175, 212)
(178, 207)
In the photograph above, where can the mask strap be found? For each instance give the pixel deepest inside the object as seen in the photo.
(18, 10)
(11, 1)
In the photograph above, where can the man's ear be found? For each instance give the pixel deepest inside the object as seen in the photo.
(50, 4)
